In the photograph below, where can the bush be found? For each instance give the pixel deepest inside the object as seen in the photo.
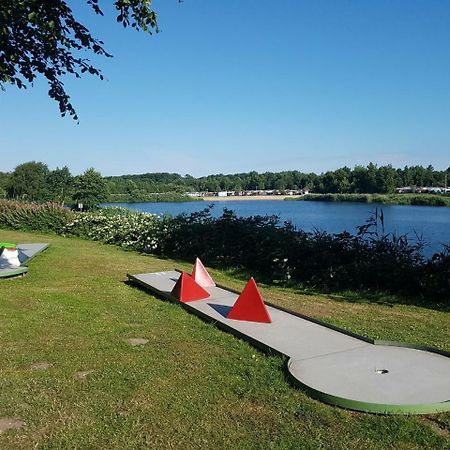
(279, 253)
(274, 253)
(282, 254)
(119, 226)
(361, 198)
(33, 216)
(229, 242)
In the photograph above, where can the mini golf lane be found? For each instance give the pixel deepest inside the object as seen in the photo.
(26, 253)
(332, 365)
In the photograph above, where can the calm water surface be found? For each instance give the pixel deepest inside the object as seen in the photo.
(433, 223)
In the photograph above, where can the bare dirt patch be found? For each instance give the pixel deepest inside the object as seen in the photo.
(438, 427)
(83, 374)
(10, 423)
(136, 341)
(41, 366)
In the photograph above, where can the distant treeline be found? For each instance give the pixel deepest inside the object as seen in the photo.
(33, 181)
(360, 179)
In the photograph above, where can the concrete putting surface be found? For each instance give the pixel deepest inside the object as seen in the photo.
(331, 364)
(29, 251)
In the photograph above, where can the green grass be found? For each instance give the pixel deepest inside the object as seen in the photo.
(192, 385)
(387, 199)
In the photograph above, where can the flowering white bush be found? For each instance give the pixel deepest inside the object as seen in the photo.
(120, 226)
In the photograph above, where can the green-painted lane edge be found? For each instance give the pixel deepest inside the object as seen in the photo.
(6, 273)
(147, 287)
(221, 325)
(8, 245)
(23, 269)
(376, 408)
(347, 332)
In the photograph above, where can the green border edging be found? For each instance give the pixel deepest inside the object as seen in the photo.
(8, 245)
(261, 346)
(376, 408)
(6, 273)
(347, 332)
(23, 269)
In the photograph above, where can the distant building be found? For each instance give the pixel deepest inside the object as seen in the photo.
(422, 190)
(404, 190)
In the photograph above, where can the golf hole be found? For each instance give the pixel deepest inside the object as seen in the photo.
(381, 371)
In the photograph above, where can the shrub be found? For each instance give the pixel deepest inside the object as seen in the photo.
(362, 198)
(275, 253)
(119, 226)
(279, 253)
(33, 216)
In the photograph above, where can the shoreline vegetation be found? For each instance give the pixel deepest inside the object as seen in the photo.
(370, 261)
(250, 197)
(386, 199)
(34, 182)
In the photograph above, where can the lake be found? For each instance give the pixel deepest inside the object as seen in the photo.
(432, 223)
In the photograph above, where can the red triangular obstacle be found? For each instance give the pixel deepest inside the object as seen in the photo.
(187, 290)
(201, 275)
(250, 305)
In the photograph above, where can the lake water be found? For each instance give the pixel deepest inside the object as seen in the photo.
(432, 223)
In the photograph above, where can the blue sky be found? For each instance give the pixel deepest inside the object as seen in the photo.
(240, 85)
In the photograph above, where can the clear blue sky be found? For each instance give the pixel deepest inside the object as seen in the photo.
(240, 85)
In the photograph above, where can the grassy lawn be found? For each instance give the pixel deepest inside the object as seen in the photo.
(191, 385)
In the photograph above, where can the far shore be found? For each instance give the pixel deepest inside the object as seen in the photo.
(249, 197)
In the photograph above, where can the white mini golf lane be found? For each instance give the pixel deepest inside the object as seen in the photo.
(26, 253)
(333, 366)
(29, 251)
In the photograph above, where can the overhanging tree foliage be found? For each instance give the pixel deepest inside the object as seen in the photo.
(44, 38)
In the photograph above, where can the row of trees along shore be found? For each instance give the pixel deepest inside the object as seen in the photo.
(369, 179)
(34, 181)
